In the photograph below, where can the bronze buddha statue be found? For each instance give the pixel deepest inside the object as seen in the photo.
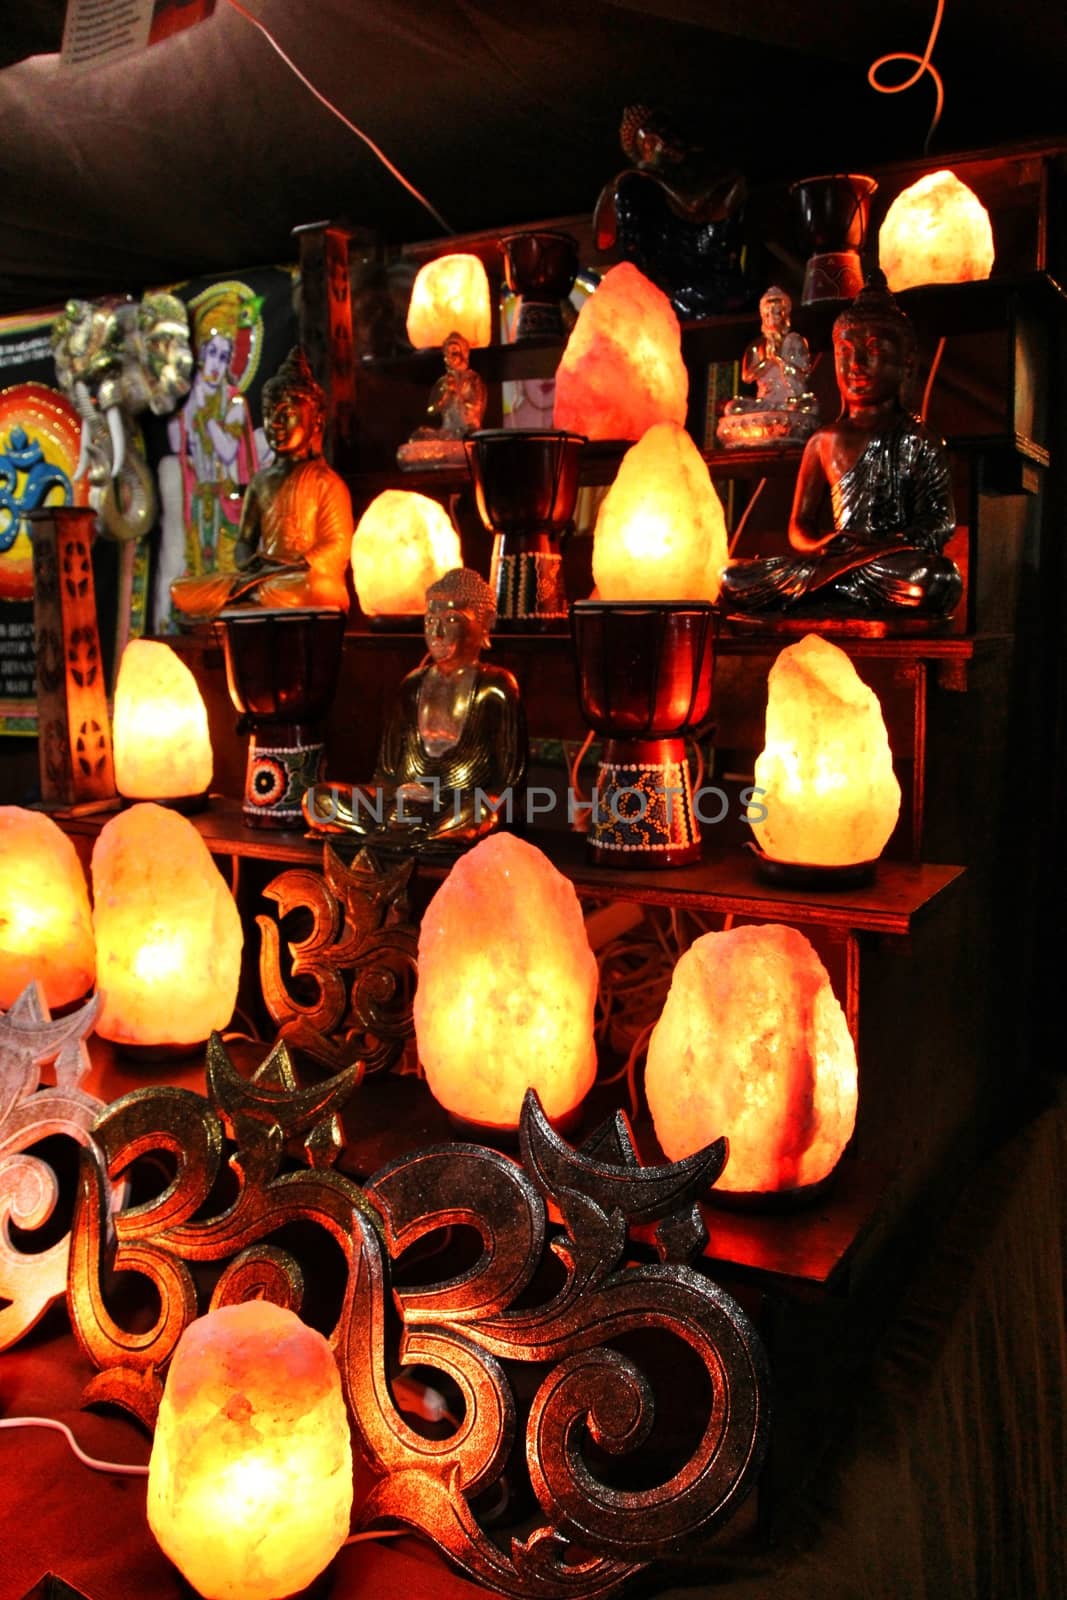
(454, 747)
(890, 492)
(295, 535)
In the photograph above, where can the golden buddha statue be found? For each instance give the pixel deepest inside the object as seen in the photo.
(453, 756)
(889, 486)
(295, 533)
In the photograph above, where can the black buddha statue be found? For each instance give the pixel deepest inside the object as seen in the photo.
(889, 486)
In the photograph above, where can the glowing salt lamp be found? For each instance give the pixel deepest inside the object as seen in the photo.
(403, 543)
(938, 231)
(250, 1478)
(162, 748)
(46, 928)
(450, 295)
(507, 984)
(660, 532)
(752, 1044)
(622, 370)
(168, 935)
(831, 798)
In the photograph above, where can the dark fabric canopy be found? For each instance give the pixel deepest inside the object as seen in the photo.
(204, 151)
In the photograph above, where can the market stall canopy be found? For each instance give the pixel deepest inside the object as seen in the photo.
(202, 152)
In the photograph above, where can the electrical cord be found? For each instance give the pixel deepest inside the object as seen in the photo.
(923, 64)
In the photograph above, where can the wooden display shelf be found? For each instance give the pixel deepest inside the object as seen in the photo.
(723, 883)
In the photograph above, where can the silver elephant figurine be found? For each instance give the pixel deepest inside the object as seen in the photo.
(116, 358)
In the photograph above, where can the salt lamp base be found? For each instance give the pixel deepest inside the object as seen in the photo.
(188, 805)
(159, 1055)
(569, 1125)
(397, 623)
(804, 875)
(770, 1201)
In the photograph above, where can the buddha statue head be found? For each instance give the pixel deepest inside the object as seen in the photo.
(294, 408)
(875, 348)
(460, 612)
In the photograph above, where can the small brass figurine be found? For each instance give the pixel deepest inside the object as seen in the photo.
(675, 218)
(295, 534)
(455, 747)
(783, 409)
(456, 408)
(889, 485)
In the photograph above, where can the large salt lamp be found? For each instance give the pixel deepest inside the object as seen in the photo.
(753, 1044)
(938, 231)
(660, 532)
(507, 984)
(403, 543)
(46, 928)
(450, 295)
(830, 797)
(168, 935)
(162, 747)
(250, 1478)
(622, 370)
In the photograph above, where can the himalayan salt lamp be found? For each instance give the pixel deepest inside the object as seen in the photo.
(830, 796)
(507, 984)
(753, 1044)
(403, 543)
(168, 935)
(250, 1478)
(660, 532)
(162, 748)
(622, 370)
(450, 295)
(938, 231)
(46, 927)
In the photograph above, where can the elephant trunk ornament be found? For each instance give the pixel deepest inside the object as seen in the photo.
(115, 358)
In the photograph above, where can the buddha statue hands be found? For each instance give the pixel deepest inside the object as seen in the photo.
(456, 407)
(889, 486)
(783, 409)
(454, 753)
(295, 533)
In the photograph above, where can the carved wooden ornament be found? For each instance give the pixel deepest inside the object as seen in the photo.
(542, 1338)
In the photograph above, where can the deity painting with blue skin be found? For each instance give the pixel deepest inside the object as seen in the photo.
(215, 450)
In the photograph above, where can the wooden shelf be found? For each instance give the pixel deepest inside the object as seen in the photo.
(723, 883)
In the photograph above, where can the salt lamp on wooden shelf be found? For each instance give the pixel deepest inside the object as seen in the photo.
(46, 927)
(403, 542)
(936, 231)
(162, 746)
(827, 794)
(168, 934)
(753, 1044)
(507, 986)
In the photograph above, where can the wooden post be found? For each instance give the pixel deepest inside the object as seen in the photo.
(74, 731)
(326, 333)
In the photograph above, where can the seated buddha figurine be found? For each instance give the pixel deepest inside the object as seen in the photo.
(455, 745)
(889, 486)
(778, 363)
(295, 535)
(455, 408)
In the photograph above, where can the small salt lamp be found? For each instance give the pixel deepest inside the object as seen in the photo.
(622, 370)
(753, 1044)
(938, 231)
(403, 543)
(507, 984)
(830, 795)
(660, 532)
(46, 928)
(450, 295)
(162, 748)
(168, 935)
(250, 1478)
